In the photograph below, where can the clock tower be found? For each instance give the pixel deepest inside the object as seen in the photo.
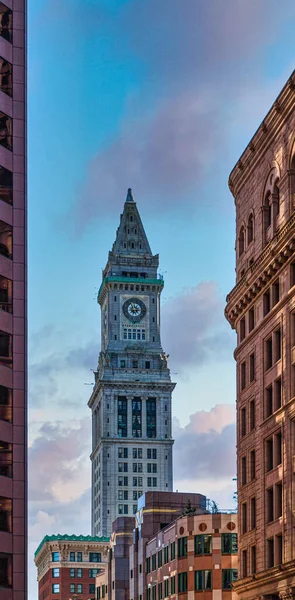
(131, 400)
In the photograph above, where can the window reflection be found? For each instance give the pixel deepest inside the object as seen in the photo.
(6, 185)
(5, 295)
(5, 459)
(5, 22)
(5, 77)
(5, 131)
(5, 239)
(5, 404)
(5, 349)
(5, 514)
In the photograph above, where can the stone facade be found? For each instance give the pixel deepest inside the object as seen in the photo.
(261, 308)
(68, 564)
(13, 302)
(171, 555)
(131, 401)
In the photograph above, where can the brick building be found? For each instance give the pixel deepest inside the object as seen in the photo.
(169, 554)
(67, 566)
(261, 308)
(13, 303)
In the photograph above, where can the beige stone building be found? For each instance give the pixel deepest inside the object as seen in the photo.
(261, 308)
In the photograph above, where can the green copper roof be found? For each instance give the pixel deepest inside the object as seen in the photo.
(71, 538)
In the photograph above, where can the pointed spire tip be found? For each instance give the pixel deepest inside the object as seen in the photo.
(129, 196)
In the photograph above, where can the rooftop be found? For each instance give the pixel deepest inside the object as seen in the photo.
(70, 538)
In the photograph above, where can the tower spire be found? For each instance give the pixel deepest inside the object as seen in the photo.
(129, 197)
(131, 239)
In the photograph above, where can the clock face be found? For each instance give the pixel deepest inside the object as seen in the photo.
(134, 309)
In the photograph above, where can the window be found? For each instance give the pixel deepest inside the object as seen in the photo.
(5, 294)
(5, 22)
(244, 517)
(123, 467)
(229, 543)
(277, 345)
(172, 551)
(94, 557)
(251, 320)
(252, 414)
(123, 363)
(243, 422)
(228, 577)
(122, 416)
(136, 418)
(243, 375)
(269, 454)
(269, 553)
(242, 329)
(166, 554)
(253, 560)
(166, 588)
(79, 588)
(147, 364)
(203, 544)
(182, 547)
(54, 556)
(279, 549)
(244, 563)
(277, 448)
(55, 588)
(154, 453)
(148, 565)
(252, 465)
(151, 418)
(122, 452)
(250, 228)
(267, 212)
(5, 131)
(203, 580)
(269, 505)
(268, 401)
(266, 303)
(241, 241)
(5, 77)
(91, 588)
(278, 500)
(79, 557)
(252, 367)
(6, 187)
(278, 394)
(79, 572)
(182, 582)
(5, 404)
(268, 354)
(155, 482)
(154, 562)
(5, 349)
(160, 558)
(72, 573)
(275, 292)
(72, 556)
(253, 512)
(55, 572)
(160, 591)
(173, 586)
(244, 470)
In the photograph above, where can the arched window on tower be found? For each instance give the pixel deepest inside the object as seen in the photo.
(241, 241)
(276, 200)
(250, 228)
(267, 212)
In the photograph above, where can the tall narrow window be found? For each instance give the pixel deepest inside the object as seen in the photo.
(278, 393)
(279, 549)
(241, 241)
(5, 22)
(268, 401)
(244, 470)
(252, 367)
(5, 514)
(251, 318)
(136, 418)
(277, 448)
(244, 517)
(267, 212)
(5, 131)
(5, 404)
(244, 563)
(242, 329)
(5, 239)
(252, 464)
(5, 459)
(122, 416)
(269, 505)
(275, 292)
(266, 302)
(269, 553)
(268, 353)
(5, 77)
(269, 454)
(5, 294)
(5, 570)
(278, 344)
(253, 560)
(151, 418)
(243, 375)
(6, 185)
(278, 500)
(252, 415)
(250, 229)
(243, 422)
(253, 512)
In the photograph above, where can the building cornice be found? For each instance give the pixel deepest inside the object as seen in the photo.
(258, 583)
(264, 136)
(142, 387)
(257, 277)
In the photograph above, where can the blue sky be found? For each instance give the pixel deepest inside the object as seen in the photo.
(161, 97)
